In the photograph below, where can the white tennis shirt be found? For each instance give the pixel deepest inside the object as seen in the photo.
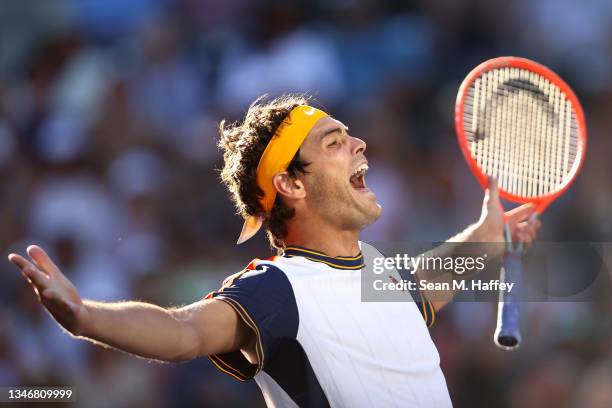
(319, 345)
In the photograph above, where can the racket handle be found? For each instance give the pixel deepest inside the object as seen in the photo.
(507, 334)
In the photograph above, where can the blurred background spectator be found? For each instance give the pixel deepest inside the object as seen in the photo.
(108, 114)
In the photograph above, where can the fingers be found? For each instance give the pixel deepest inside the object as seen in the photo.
(492, 188)
(492, 192)
(523, 237)
(527, 231)
(19, 261)
(22, 263)
(41, 259)
(36, 277)
(520, 213)
(492, 204)
(52, 293)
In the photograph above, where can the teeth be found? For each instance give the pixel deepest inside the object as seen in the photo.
(361, 169)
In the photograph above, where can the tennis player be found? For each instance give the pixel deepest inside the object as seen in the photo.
(293, 322)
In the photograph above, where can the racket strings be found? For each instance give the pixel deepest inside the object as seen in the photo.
(521, 129)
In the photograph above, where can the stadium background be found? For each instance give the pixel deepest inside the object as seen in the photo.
(108, 114)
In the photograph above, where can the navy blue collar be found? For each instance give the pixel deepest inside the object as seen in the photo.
(339, 262)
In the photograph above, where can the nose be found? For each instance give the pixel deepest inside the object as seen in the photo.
(359, 146)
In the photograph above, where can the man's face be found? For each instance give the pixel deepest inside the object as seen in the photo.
(335, 180)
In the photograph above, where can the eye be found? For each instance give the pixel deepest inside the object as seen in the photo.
(333, 144)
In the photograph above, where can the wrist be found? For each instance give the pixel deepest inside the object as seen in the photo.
(85, 326)
(478, 232)
(492, 238)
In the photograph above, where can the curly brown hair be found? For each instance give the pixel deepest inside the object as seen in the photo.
(243, 143)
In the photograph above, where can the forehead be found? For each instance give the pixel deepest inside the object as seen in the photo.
(320, 128)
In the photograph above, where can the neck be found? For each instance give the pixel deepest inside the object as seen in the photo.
(323, 237)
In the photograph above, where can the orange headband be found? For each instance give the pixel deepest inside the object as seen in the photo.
(279, 152)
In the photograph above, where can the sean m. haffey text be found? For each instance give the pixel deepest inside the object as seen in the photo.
(457, 264)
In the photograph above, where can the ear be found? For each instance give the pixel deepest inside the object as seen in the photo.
(289, 187)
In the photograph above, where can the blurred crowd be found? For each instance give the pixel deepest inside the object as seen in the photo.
(108, 159)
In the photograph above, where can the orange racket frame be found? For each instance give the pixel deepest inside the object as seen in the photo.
(542, 201)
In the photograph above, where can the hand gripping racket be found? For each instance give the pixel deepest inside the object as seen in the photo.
(517, 121)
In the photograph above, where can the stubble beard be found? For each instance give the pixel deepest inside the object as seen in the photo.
(336, 204)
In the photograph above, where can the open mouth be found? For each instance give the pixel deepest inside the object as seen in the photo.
(357, 179)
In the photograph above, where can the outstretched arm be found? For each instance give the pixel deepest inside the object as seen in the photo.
(202, 328)
(488, 229)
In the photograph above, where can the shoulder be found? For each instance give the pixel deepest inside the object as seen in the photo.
(262, 280)
(259, 271)
(263, 299)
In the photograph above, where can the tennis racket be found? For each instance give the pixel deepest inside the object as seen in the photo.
(517, 121)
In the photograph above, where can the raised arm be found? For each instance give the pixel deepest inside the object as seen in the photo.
(488, 229)
(202, 328)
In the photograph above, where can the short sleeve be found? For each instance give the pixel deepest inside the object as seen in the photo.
(263, 298)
